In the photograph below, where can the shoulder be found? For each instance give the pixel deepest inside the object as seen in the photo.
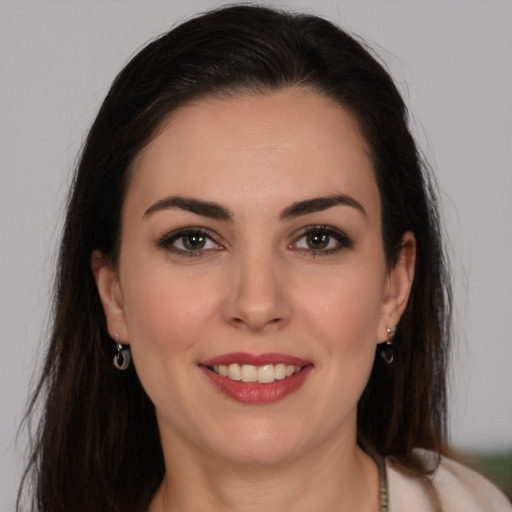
(459, 489)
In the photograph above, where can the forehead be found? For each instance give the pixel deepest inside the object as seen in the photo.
(279, 147)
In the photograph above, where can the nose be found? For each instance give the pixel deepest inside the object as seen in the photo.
(257, 299)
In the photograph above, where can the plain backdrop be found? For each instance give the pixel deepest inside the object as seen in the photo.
(453, 63)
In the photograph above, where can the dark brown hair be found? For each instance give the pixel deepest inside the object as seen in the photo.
(97, 447)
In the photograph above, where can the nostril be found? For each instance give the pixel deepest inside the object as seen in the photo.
(257, 324)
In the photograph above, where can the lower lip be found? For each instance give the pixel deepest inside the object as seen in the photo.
(255, 393)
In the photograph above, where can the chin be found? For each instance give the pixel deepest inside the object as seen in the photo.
(261, 454)
(260, 445)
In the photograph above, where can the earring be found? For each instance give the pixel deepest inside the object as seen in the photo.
(387, 352)
(122, 357)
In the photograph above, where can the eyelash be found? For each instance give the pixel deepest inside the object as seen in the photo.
(167, 241)
(343, 241)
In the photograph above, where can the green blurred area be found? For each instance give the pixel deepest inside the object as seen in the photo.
(496, 467)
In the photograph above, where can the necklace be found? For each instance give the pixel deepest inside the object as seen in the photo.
(383, 484)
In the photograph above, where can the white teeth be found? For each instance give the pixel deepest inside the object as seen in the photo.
(262, 374)
(280, 371)
(266, 374)
(249, 373)
(234, 371)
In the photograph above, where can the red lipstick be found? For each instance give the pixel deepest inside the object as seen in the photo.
(255, 392)
(256, 359)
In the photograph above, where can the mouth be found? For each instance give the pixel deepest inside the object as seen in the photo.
(257, 379)
(264, 374)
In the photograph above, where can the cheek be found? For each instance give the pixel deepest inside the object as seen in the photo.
(167, 316)
(166, 311)
(347, 309)
(349, 328)
(344, 318)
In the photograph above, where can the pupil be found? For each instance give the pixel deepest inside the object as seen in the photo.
(318, 240)
(194, 242)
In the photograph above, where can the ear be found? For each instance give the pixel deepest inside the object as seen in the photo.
(109, 289)
(398, 288)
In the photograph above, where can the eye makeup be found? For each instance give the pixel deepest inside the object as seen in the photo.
(322, 240)
(189, 242)
(195, 241)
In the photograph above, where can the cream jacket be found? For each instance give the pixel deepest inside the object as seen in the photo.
(459, 488)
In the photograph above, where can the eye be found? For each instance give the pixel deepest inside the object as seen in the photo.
(319, 240)
(322, 240)
(189, 242)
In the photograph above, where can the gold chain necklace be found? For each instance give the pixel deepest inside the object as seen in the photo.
(383, 484)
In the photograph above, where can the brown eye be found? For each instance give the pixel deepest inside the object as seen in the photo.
(318, 240)
(322, 240)
(189, 242)
(194, 241)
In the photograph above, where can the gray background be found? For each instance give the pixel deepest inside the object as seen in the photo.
(453, 61)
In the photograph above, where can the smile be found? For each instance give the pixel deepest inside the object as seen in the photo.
(264, 374)
(257, 379)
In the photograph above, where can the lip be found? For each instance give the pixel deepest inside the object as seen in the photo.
(253, 392)
(256, 359)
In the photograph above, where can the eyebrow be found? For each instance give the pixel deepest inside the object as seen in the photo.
(319, 204)
(217, 211)
(198, 206)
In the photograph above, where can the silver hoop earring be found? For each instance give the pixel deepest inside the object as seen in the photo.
(387, 351)
(123, 356)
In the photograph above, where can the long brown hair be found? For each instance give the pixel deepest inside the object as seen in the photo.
(97, 447)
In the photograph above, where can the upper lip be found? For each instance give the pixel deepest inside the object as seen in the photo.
(256, 359)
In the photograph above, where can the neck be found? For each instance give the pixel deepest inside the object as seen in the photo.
(341, 478)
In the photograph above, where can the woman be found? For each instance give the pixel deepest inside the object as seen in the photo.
(251, 225)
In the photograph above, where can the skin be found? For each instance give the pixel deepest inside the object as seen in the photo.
(257, 286)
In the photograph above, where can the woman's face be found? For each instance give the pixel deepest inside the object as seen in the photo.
(251, 250)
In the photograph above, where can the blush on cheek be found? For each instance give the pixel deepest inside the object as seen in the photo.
(165, 319)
